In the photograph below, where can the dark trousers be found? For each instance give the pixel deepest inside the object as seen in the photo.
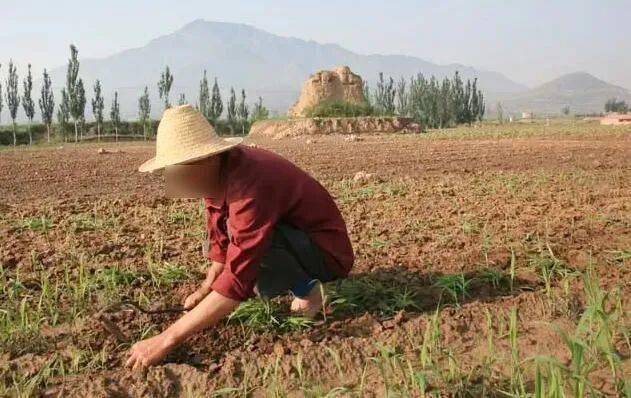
(292, 263)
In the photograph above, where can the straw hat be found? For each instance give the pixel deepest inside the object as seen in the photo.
(184, 135)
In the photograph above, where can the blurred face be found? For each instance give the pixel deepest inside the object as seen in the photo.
(193, 180)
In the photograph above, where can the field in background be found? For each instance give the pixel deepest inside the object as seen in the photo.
(491, 261)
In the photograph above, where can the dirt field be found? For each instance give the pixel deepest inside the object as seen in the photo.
(489, 263)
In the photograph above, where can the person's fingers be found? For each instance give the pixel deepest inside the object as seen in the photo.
(131, 360)
(191, 301)
(188, 299)
(138, 365)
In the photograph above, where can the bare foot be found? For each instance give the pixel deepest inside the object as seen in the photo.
(311, 304)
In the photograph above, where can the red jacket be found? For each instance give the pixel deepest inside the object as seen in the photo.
(262, 189)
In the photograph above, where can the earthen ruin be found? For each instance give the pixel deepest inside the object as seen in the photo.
(339, 84)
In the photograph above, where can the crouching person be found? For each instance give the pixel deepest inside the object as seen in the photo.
(272, 228)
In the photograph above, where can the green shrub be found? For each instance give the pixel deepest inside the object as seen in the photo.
(339, 109)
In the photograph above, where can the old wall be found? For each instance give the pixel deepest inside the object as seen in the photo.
(338, 125)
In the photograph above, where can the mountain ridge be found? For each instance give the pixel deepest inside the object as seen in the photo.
(274, 67)
(243, 56)
(581, 91)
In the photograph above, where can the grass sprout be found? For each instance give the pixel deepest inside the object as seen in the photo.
(456, 286)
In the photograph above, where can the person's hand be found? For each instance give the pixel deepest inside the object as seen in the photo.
(149, 352)
(204, 290)
(194, 298)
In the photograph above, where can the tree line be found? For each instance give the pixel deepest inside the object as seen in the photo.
(615, 105)
(72, 105)
(430, 102)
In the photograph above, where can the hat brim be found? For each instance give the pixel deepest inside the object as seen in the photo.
(203, 152)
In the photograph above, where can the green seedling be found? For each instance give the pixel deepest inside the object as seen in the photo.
(626, 388)
(336, 360)
(257, 314)
(359, 295)
(456, 286)
(549, 268)
(603, 322)
(263, 315)
(621, 256)
(362, 380)
(579, 368)
(468, 227)
(40, 223)
(113, 277)
(296, 323)
(496, 278)
(171, 273)
(179, 217)
(298, 365)
(402, 300)
(418, 380)
(517, 382)
(513, 264)
(89, 222)
(378, 243)
(431, 339)
(392, 358)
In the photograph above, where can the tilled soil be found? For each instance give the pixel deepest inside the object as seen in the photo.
(421, 209)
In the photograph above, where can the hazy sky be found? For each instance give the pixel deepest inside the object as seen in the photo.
(530, 41)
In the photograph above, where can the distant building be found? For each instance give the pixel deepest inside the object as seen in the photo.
(527, 115)
(615, 119)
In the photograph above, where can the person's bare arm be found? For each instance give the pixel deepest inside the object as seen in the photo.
(208, 312)
(211, 274)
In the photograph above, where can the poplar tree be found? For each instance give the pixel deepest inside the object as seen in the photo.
(13, 98)
(27, 102)
(232, 108)
(474, 105)
(216, 104)
(75, 90)
(63, 113)
(77, 107)
(115, 116)
(98, 104)
(144, 110)
(47, 103)
(481, 106)
(181, 99)
(402, 98)
(243, 112)
(367, 96)
(499, 109)
(384, 96)
(204, 97)
(466, 104)
(447, 110)
(458, 113)
(164, 86)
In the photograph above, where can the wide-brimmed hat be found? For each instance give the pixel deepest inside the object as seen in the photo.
(184, 135)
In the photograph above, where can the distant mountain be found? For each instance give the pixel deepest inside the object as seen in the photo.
(242, 56)
(582, 92)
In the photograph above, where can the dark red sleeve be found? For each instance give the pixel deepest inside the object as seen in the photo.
(251, 221)
(216, 240)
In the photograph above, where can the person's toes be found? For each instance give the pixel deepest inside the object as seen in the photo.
(298, 304)
(310, 305)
